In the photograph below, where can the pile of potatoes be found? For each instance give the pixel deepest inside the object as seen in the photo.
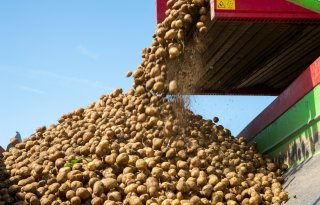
(132, 148)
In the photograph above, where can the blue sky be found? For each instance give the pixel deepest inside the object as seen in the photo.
(56, 56)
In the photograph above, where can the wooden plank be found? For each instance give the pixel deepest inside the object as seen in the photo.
(285, 77)
(269, 65)
(274, 49)
(300, 64)
(217, 43)
(229, 51)
(287, 54)
(215, 51)
(256, 46)
(253, 91)
(279, 41)
(232, 57)
(300, 59)
(212, 34)
(295, 50)
(286, 62)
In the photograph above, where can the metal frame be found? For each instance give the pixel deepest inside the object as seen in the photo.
(309, 79)
(263, 10)
(249, 10)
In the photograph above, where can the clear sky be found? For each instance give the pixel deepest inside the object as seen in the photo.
(59, 55)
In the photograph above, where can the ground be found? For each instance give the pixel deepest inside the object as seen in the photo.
(303, 183)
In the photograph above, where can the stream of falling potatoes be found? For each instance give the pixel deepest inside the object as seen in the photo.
(141, 147)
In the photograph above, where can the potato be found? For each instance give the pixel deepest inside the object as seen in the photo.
(158, 87)
(108, 202)
(98, 188)
(216, 198)
(134, 200)
(141, 164)
(142, 189)
(62, 177)
(220, 186)
(150, 83)
(156, 172)
(53, 188)
(283, 196)
(131, 188)
(140, 90)
(97, 201)
(109, 183)
(104, 144)
(200, 25)
(171, 153)
(30, 187)
(207, 190)
(234, 181)
(255, 200)
(195, 200)
(70, 194)
(170, 3)
(199, 2)
(203, 11)
(179, 23)
(215, 119)
(183, 187)
(75, 175)
(171, 34)
(160, 52)
(156, 71)
(161, 32)
(34, 200)
(173, 52)
(114, 196)
(153, 191)
(83, 193)
(187, 18)
(138, 73)
(203, 30)
(173, 87)
(232, 202)
(128, 74)
(180, 35)
(202, 180)
(75, 200)
(110, 159)
(230, 197)
(122, 159)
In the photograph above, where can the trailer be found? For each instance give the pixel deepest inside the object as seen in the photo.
(265, 47)
(288, 131)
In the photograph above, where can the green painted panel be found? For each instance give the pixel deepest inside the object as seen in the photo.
(299, 122)
(299, 147)
(313, 5)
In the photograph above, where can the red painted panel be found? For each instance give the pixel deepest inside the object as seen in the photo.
(309, 79)
(261, 10)
(161, 7)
